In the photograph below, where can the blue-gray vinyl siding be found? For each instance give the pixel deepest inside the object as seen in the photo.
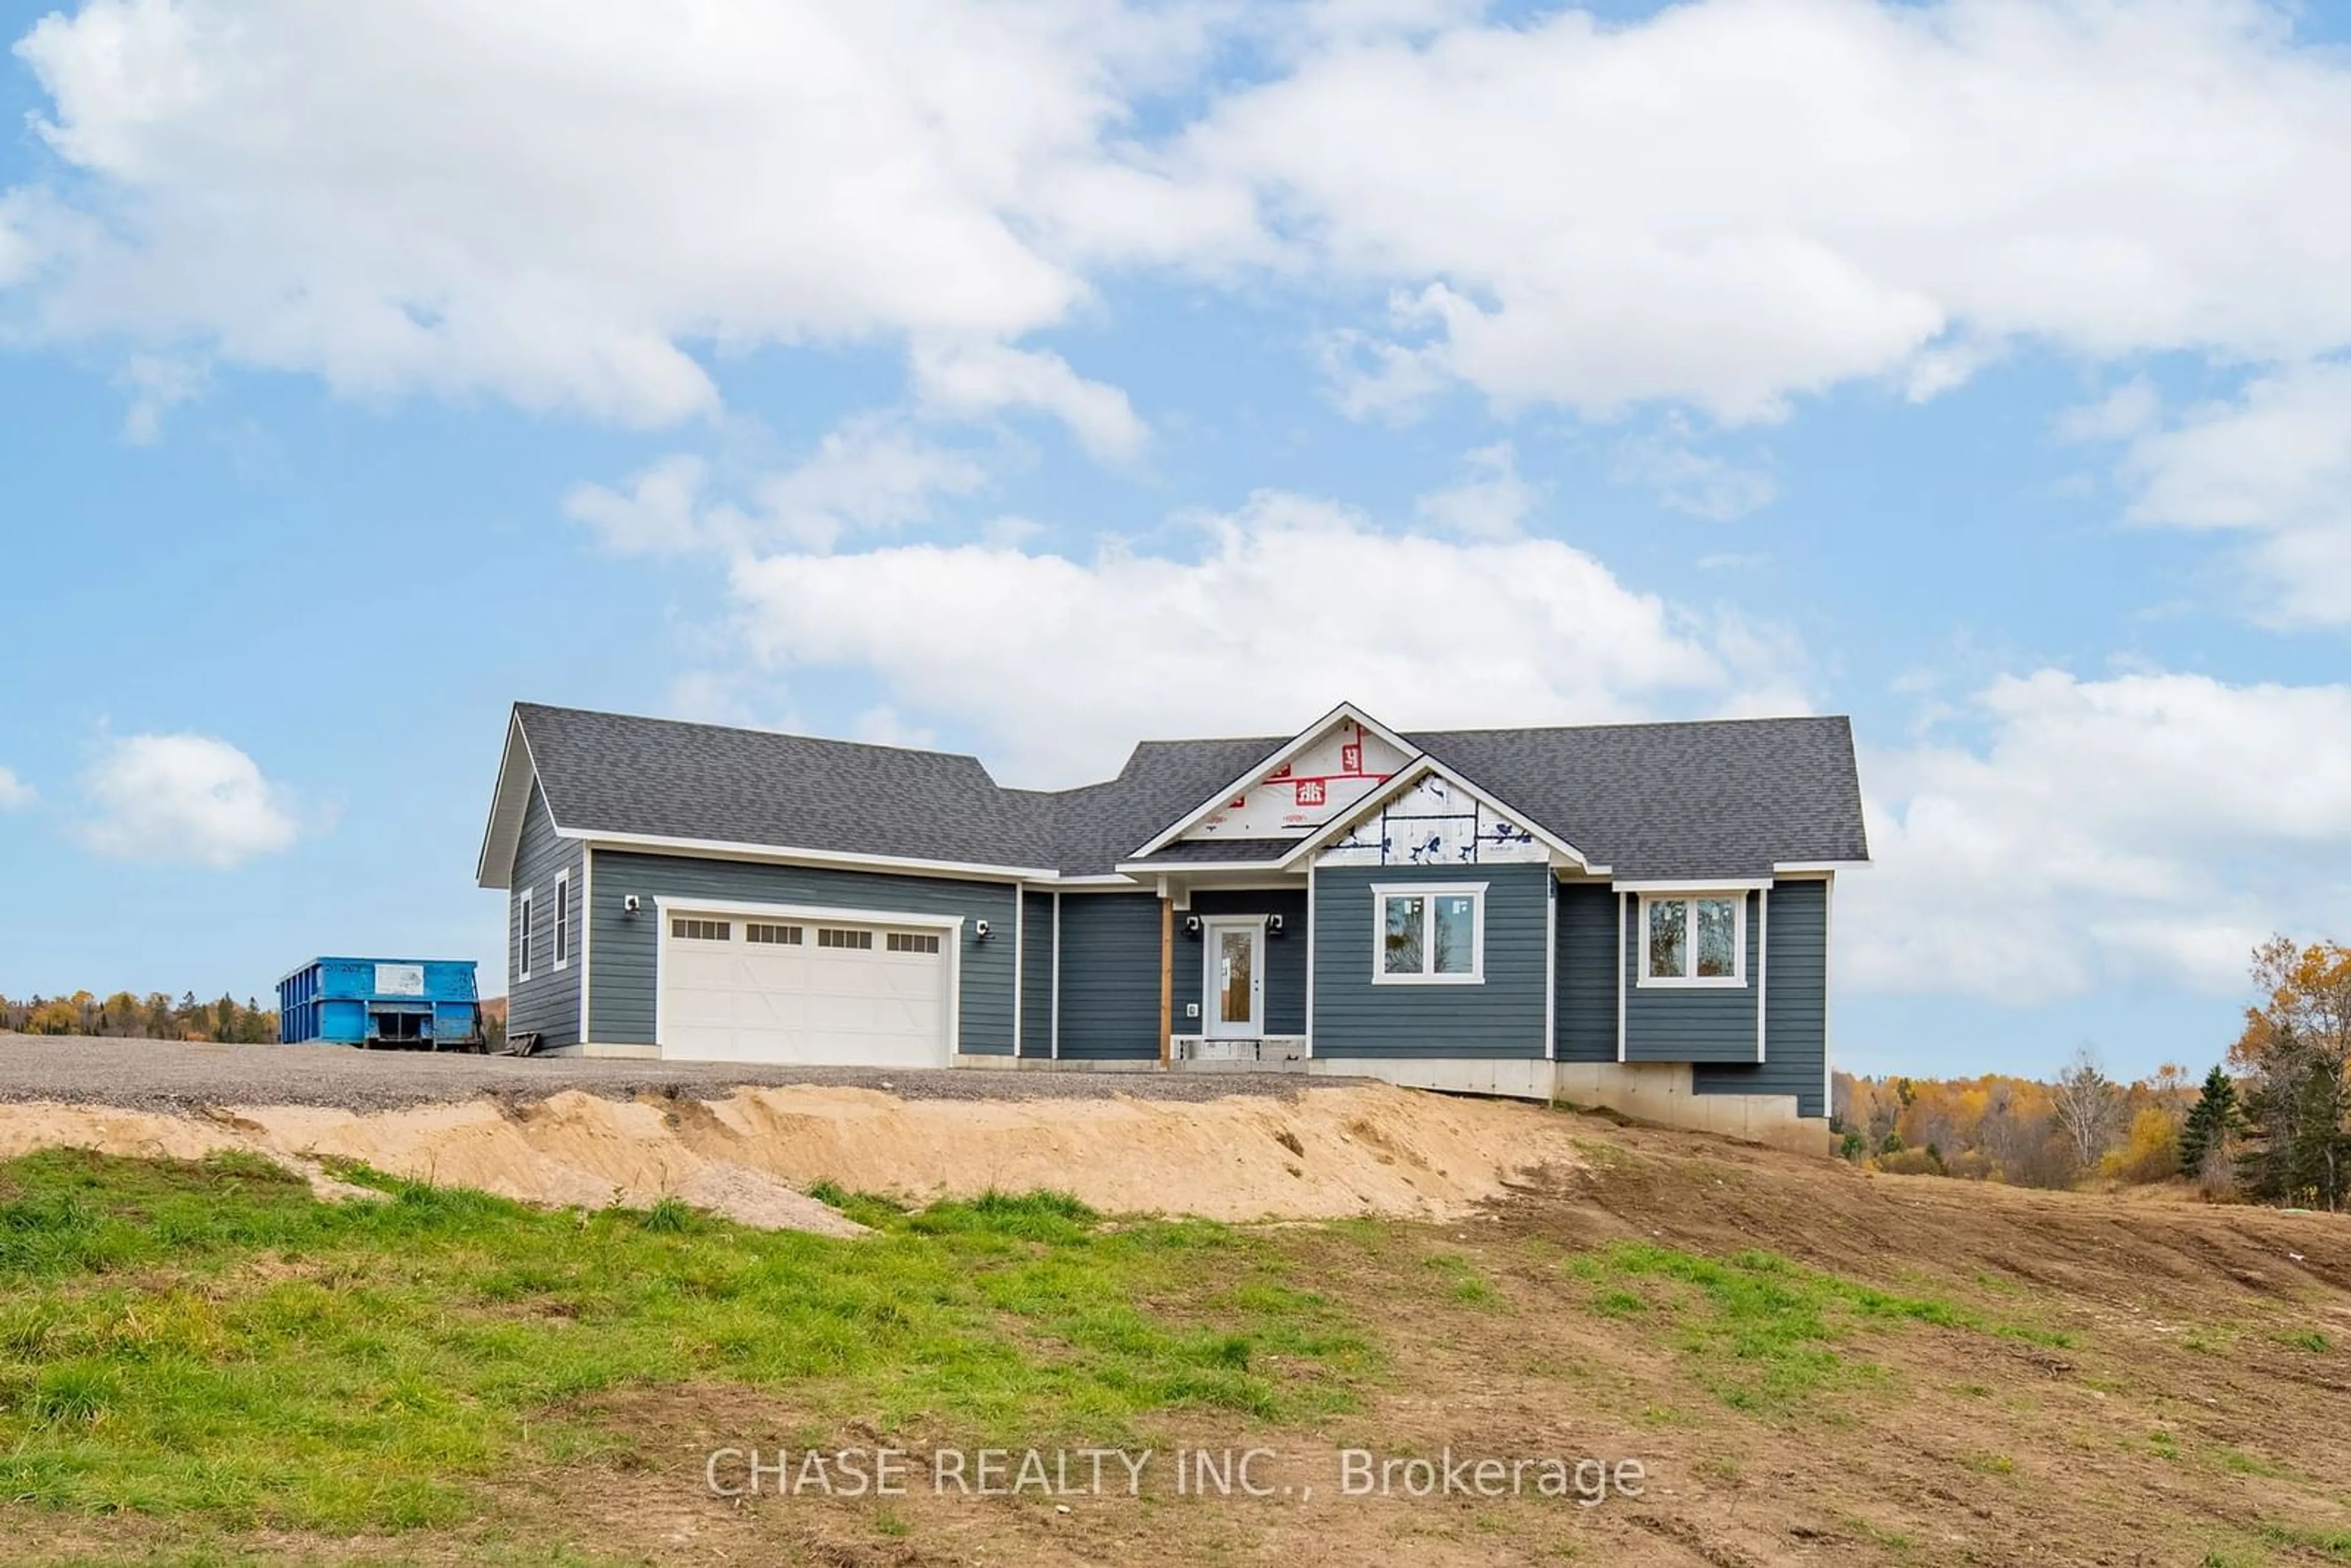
(1036, 974)
(548, 1004)
(1504, 1017)
(1585, 1016)
(1795, 1006)
(1693, 1023)
(1109, 976)
(1285, 958)
(621, 1008)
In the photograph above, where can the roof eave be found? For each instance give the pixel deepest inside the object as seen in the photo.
(510, 803)
(796, 854)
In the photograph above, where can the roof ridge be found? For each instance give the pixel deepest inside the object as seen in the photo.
(969, 757)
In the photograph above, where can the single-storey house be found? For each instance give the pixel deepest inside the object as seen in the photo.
(1632, 914)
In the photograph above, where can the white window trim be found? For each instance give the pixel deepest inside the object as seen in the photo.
(1735, 981)
(1474, 891)
(526, 911)
(561, 932)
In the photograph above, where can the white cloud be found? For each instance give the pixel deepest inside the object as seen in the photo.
(548, 201)
(2274, 465)
(14, 793)
(1600, 214)
(1596, 214)
(973, 380)
(156, 383)
(869, 473)
(1489, 503)
(1056, 666)
(2145, 830)
(2120, 415)
(185, 800)
(657, 514)
(1689, 480)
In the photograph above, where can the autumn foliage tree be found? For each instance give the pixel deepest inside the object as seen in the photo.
(2295, 1050)
(154, 1016)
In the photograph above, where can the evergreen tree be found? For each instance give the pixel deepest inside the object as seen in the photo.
(2298, 1105)
(2215, 1119)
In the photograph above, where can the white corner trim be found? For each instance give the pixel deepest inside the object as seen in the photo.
(1828, 1008)
(1763, 965)
(1550, 969)
(587, 914)
(1020, 970)
(1736, 981)
(729, 850)
(1311, 924)
(1429, 892)
(1054, 1043)
(1624, 962)
(1258, 770)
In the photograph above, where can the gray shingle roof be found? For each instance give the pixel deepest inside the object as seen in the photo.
(1718, 798)
(1726, 798)
(1216, 851)
(618, 774)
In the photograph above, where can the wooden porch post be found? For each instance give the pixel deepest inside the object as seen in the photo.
(1166, 979)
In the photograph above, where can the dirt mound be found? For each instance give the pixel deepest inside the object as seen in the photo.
(1328, 1151)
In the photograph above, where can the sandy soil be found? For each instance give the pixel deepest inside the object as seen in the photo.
(1373, 1150)
(2195, 1413)
(2179, 1427)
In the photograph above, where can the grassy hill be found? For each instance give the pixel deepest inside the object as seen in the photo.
(201, 1362)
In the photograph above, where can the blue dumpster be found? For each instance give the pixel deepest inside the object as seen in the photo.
(417, 1004)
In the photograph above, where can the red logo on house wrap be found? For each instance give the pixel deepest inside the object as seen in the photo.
(1310, 792)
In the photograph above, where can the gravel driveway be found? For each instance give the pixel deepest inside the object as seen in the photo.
(171, 1075)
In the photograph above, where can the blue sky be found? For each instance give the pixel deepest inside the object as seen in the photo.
(1027, 380)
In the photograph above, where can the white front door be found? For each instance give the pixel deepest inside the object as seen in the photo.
(803, 991)
(1233, 989)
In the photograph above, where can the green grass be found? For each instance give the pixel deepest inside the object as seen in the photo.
(209, 1340)
(1463, 1284)
(1764, 1333)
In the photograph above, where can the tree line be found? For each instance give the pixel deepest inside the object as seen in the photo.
(2270, 1123)
(154, 1016)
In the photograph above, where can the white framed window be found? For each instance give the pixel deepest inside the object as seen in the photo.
(563, 921)
(773, 936)
(831, 936)
(1693, 939)
(523, 906)
(1428, 934)
(691, 930)
(913, 942)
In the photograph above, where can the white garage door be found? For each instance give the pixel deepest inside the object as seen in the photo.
(814, 992)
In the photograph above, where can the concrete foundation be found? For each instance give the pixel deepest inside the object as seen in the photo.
(1655, 1091)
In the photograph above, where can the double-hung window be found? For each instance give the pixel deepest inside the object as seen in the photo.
(1429, 934)
(563, 921)
(523, 907)
(1693, 939)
